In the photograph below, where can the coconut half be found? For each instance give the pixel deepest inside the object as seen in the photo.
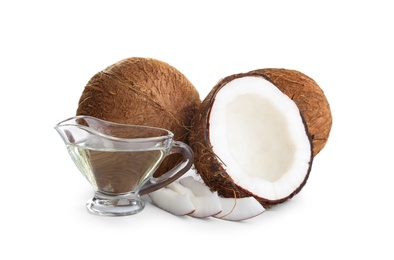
(250, 139)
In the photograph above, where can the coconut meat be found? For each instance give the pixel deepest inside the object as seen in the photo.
(259, 135)
(239, 208)
(188, 196)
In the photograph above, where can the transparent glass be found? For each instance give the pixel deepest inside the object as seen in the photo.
(119, 160)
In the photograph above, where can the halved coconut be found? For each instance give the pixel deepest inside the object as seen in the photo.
(249, 139)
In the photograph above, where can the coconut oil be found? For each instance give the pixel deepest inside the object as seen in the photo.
(113, 171)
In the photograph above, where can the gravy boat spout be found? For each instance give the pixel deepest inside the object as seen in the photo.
(79, 131)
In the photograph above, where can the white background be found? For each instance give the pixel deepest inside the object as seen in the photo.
(50, 49)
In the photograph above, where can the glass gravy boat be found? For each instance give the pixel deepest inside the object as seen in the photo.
(119, 160)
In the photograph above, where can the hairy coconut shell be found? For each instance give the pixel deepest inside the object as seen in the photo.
(142, 91)
(210, 167)
(309, 98)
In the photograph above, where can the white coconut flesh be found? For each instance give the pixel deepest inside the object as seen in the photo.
(239, 209)
(206, 203)
(258, 133)
(188, 196)
(172, 201)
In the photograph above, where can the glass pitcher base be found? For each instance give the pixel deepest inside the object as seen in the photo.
(119, 205)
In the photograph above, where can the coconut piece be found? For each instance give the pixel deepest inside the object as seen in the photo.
(206, 206)
(180, 200)
(179, 188)
(231, 209)
(172, 202)
(237, 209)
(143, 91)
(309, 98)
(206, 203)
(198, 188)
(250, 139)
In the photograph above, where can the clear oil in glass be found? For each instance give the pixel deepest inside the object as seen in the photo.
(112, 171)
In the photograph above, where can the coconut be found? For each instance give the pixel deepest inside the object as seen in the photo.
(310, 99)
(188, 196)
(239, 209)
(172, 201)
(143, 91)
(250, 139)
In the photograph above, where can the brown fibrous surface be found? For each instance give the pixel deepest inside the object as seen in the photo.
(142, 91)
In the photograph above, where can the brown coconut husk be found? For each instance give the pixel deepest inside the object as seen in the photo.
(210, 167)
(143, 91)
(309, 98)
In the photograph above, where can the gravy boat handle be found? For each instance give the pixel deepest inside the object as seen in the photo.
(173, 174)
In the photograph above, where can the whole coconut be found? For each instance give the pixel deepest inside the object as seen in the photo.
(143, 91)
